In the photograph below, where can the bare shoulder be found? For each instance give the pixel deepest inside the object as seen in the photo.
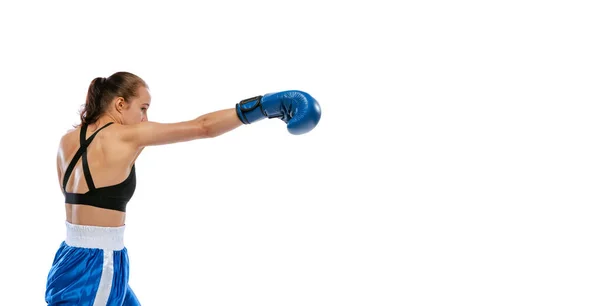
(108, 143)
(114, 136)
(68, 140)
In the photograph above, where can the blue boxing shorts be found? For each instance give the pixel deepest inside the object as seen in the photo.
(91, 267)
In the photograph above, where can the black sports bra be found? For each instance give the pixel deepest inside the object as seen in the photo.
(113, 197)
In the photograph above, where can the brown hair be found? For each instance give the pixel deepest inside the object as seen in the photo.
(103, 90)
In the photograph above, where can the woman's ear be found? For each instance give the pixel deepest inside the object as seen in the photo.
(120, 104)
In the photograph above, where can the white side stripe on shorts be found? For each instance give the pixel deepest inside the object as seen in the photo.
(105, 279)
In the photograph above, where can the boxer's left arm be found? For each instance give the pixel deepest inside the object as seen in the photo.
(299, 110)
(206, 126)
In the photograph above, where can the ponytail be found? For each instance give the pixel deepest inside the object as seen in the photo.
(93, 103)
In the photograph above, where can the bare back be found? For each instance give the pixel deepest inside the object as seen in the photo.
(110, 162)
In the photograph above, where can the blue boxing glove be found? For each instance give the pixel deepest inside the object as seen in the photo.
(298, 109)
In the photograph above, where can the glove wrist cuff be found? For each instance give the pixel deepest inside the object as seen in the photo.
(250, 110)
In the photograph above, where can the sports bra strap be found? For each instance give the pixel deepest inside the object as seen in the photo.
(83, 152)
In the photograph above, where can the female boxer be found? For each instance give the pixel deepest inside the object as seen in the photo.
(96, 172)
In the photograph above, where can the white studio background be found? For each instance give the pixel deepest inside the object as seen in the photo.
(456, 161)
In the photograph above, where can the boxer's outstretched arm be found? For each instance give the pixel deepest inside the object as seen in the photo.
(206, 126)
(300, 111)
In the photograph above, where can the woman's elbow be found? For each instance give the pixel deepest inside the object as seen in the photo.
(204, 129)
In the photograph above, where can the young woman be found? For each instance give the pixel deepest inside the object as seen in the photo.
(96, 172)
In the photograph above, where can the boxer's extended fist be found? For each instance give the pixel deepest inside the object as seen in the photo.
(298, 109)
